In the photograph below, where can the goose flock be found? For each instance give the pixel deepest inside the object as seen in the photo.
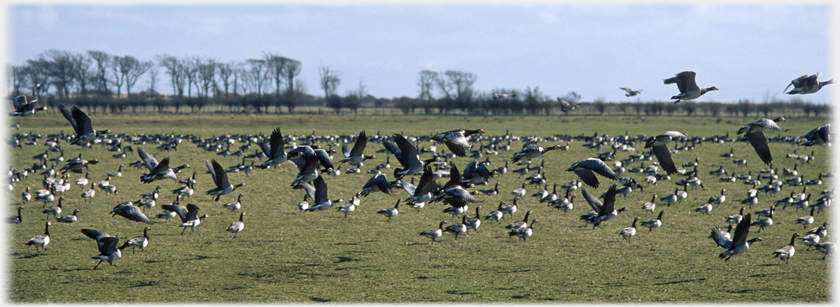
(440, 180)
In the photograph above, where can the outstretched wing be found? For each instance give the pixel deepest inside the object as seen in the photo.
(150, 161)
(762, 148)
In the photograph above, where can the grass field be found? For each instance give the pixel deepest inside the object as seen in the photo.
(285, 256)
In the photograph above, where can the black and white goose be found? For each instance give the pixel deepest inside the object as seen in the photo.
(755, 135)
(434, 233)
(630, 92)
(274, 150)
(24, 107)
(107, 245)
(189, 215)
(236, 226)
(234, 205)
(320, 197)
(406, 153)
(158, 170)
(377, 183)
(807, 84)
(586, 169)
(17, 219)
(391, 212)
(739, 243)
(423, 191)
(456, 140)
(605, 210)
(220, 179)
(138, 241)
(81, 124)
(654, 223)
(530, 150)
(687, 86)
(628, 232)
(356, 155)
(659, 147)
(130, 211)
(787, 251)
(41, 240)
(818, 136)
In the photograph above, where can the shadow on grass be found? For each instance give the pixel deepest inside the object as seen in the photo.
(320, 299)
(679, 281)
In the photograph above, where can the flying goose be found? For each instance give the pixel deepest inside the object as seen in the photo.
(530, 150)
(107, 245)
(456, 140)
(754, 133)
(658, 146)
(565, 106)
(41, 240)
(424, 190)
(320, 197)
(236, 226)
(434, 233)
(76, 166)
(158, 170)
(407, 155)
(818, 136)
(628, 232)
(807, 84)
(24, 108)
(220, 179)
(81, 124)
(739, 243)
(630, 93)
(687, 86)
(377, 183)
(605, 211)
(356, 155)
(586, 169)
(189, 215)
(787, 251)
(274, 150)
(138, 241)
(130, 211)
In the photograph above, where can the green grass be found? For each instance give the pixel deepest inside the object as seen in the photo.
(288, 257)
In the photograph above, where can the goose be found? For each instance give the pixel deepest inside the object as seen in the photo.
(822, 203)
(654, 223)
(274, 150)
(565, 106)
(166, 214)
(89, 193)
(787, 251)
(434, 233)
(476, 173)
(817, 181)
(735, 218)
(185, 190)
(765, 211)
(687, 86)
(496, 215)
(586, 169)
(755, 135)
(801, 204)
(303, 204)
(628, 232)
(76, 166)
(750, 200)
(41, 240)
(530, 150)
(722, 238)
(825, 248)
(130, 211)
(356, 155)
(16, 219)
(107, 245)
(542, 193)
(349, 207)
(739, 243)
(236, 226)
(705, 208)
(807, 84)
(519, 224)
(456, 140)
(83, 181)
(81, 124)
(606, 210)
(766, 221)
(818, 136)
(565, 204)
(475, 221)
(720, 198)
(525, 232)
(189, 215)
(806, 220)
(718, 172)
(630, 93)
(424, 191)
(54, 210)
(729, 154)
(138, 241)
(234, 205)
(671, 198)
(509, 209)
(24, 107)
(458, 228)
(651, 205)
(658, 146)
(787, 200)
(308, 169)
(220, 179)
(810, 240)
(549, 198)
(790, 172)
(158, 170)
(407, 155)
(377, 183)
(491, 192)
(25, 196)
(320, 196)
(117, 173)
(70, 218)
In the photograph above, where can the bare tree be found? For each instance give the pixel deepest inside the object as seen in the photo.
(153, 73)
(38, 72)
(225, 71)
(117, 69)
(426, 81)
(462, 83)
(100, 79)
(17, 78)
(191, 73)
(257, 70)
(330, 80)
(61, 71)
(135, 70)
(291, 69)
(83, 75)
(176, 71)
(206, 76)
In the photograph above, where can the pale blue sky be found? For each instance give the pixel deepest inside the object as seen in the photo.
(749, 51)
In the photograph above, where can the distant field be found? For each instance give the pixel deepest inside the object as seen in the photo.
(285, 256)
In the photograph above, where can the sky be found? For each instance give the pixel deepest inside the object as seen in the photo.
(749, 51)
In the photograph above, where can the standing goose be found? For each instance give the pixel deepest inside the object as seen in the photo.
(628, 232)
(754, 133)
(117, 173)
(107, 245)
(495, 215)
(806, 220)
(158, 170)
(654, 223)
(475, 221)
(236, 226)
(356, 155)
(520, 224)
(586, 169)
(235, 205)
(739, 243)
(81, 124)
(818, 136)
(434, 233)
(349, 207)
(456, 140)
(391, 212)
(525, 232)
(220, 179)
(807, 84)
(274, 150)
(458, 228)
(735, 218)
(766, 221)
(651, 205)
(659, 147)
(787, 251)
(54, 210)
(687, 86)
(530, 150)
(138, 241)
(16, 219)
(41, 240)
(70, 218)
(89, 193)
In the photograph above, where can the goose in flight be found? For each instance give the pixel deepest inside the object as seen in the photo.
(688, 87)
(659, 147)
(807, 84)
(739, 243)
(220, 178)
(81, 124)
(356, 155)
(754, 133)
(630, 93)
(158, 170)
(818, 136)
(586, 169)
(274, 150)
(24, 108)
(456, 140)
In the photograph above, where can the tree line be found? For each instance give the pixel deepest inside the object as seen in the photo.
(96, 80)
